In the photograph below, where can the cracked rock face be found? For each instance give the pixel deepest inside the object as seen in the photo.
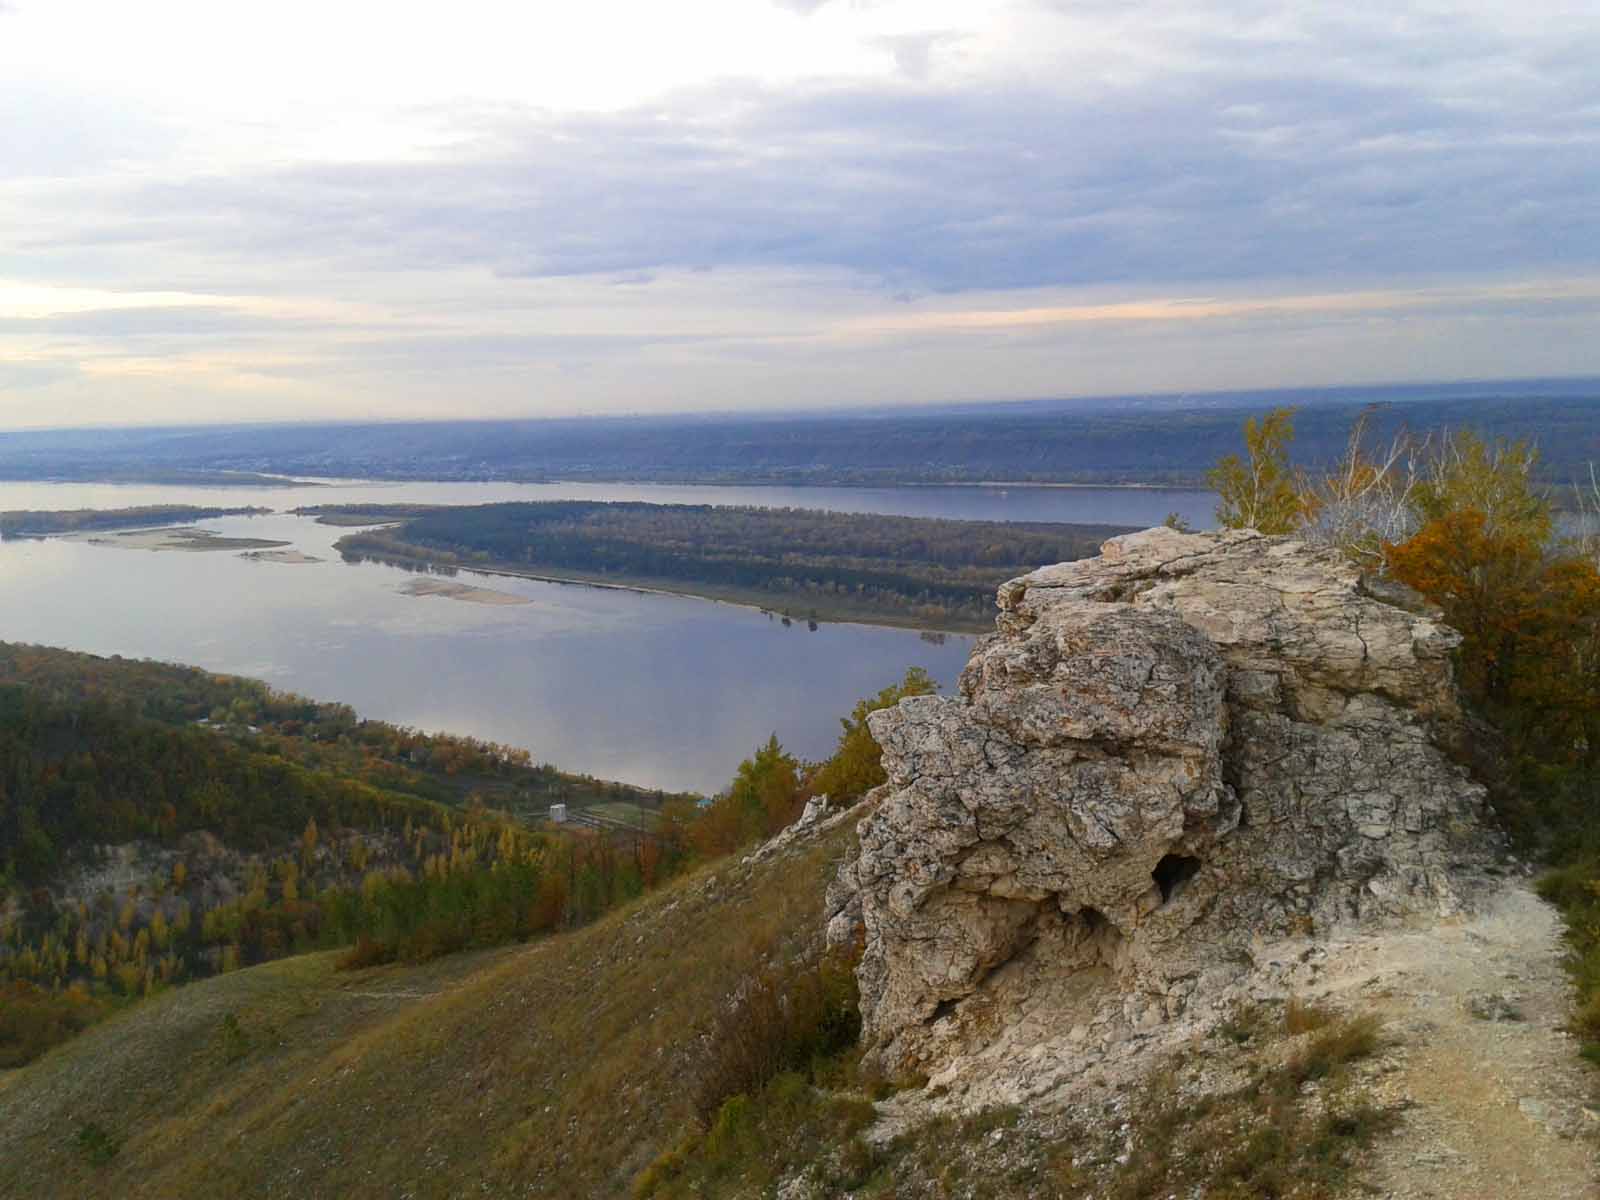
(1190, 745)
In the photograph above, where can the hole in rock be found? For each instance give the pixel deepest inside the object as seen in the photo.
(942, 1010)
(1172, 872)
(1103, 940)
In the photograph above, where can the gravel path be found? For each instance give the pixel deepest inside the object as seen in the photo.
(1500, 1105)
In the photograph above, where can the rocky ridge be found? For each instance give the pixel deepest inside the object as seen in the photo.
(1171, 772)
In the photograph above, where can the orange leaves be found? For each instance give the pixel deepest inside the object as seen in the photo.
(1529, 616)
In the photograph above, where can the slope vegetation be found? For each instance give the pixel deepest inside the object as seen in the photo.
(558, 1068)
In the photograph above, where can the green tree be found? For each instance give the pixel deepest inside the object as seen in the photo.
(857, 764)
(1494, 479)
(1259, 490)
(766, 789)
(35, 854)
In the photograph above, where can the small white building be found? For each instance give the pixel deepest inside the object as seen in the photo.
(558, 813)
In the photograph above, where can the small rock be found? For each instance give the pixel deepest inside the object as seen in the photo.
(1538, 1111)
(1493, 1006)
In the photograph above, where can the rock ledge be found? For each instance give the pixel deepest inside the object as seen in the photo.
(1167, 759)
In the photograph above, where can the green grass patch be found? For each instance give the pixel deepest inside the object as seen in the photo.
(96, 1144)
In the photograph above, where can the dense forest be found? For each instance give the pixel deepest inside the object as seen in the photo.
(20, 522)
(441, 767)
(1143, 439)
(821, 565)
(160, 824)
(142, 855)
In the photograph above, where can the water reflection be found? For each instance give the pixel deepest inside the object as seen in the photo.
(658, 690)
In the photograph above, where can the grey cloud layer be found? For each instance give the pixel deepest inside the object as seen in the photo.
(1437, 149)
(741, 245)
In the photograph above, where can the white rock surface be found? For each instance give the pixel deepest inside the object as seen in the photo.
(1169, 757)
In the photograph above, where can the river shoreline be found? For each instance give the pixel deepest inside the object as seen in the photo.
(753, 601)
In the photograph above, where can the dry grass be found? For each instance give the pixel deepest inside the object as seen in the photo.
(791, 1017)
(565, 1068)
(552, 1069)
(1295, 1130)
(1300, 1017)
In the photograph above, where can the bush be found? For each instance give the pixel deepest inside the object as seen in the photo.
(98, 1145)
(367, 952)
(1260, 491)
(32, 1020)
(1334, 1048)
(790, 1018)
(1300, 1017)
(857, 763)
(787, 1127)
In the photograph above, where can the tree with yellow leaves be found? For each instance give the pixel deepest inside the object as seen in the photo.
(1260, 490)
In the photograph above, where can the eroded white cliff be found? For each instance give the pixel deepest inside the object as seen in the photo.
(1166, 758)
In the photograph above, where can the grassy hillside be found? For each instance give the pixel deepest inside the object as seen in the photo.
(559, 1068)
(159, 824)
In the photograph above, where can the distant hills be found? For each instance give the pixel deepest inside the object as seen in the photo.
(1129, 439)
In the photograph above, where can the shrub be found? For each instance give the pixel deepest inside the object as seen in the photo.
(1335, 1047)
(235, 1042)
(1300, 1017)
(1259, 491)
(32, 1020)
(787, 1127)
(367, 952)
(790, 1018)
(857, 763)
(97, 1145)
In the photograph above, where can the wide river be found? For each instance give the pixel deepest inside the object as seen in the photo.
(657, 690)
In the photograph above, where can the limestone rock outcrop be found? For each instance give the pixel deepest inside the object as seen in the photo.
(1167, 755)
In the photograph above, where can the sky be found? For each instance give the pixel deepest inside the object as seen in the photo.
(351, 209)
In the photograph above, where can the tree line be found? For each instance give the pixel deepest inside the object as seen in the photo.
(30, 522)
(443, 767)
(251, 854)
(822, 563)
(1145, 439)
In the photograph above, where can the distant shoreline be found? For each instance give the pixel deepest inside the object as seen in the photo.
(642, 587)
(1099, 487)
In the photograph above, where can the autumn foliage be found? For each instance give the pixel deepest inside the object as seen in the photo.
(1527, 606)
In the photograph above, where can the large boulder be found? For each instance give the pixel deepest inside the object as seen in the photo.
(1186, 747)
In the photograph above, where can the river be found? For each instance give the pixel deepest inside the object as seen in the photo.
(662, 691)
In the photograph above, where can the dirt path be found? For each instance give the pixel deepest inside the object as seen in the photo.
(1500, 1106)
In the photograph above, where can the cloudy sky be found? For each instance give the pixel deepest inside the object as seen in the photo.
(221, 211)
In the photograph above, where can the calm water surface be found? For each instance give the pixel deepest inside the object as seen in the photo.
(658, 690)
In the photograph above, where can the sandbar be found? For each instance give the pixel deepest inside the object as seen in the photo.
(280, 556)
(459, 591)
(175, 539)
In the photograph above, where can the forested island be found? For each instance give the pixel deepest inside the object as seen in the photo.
(804, 563)
(33, 523)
